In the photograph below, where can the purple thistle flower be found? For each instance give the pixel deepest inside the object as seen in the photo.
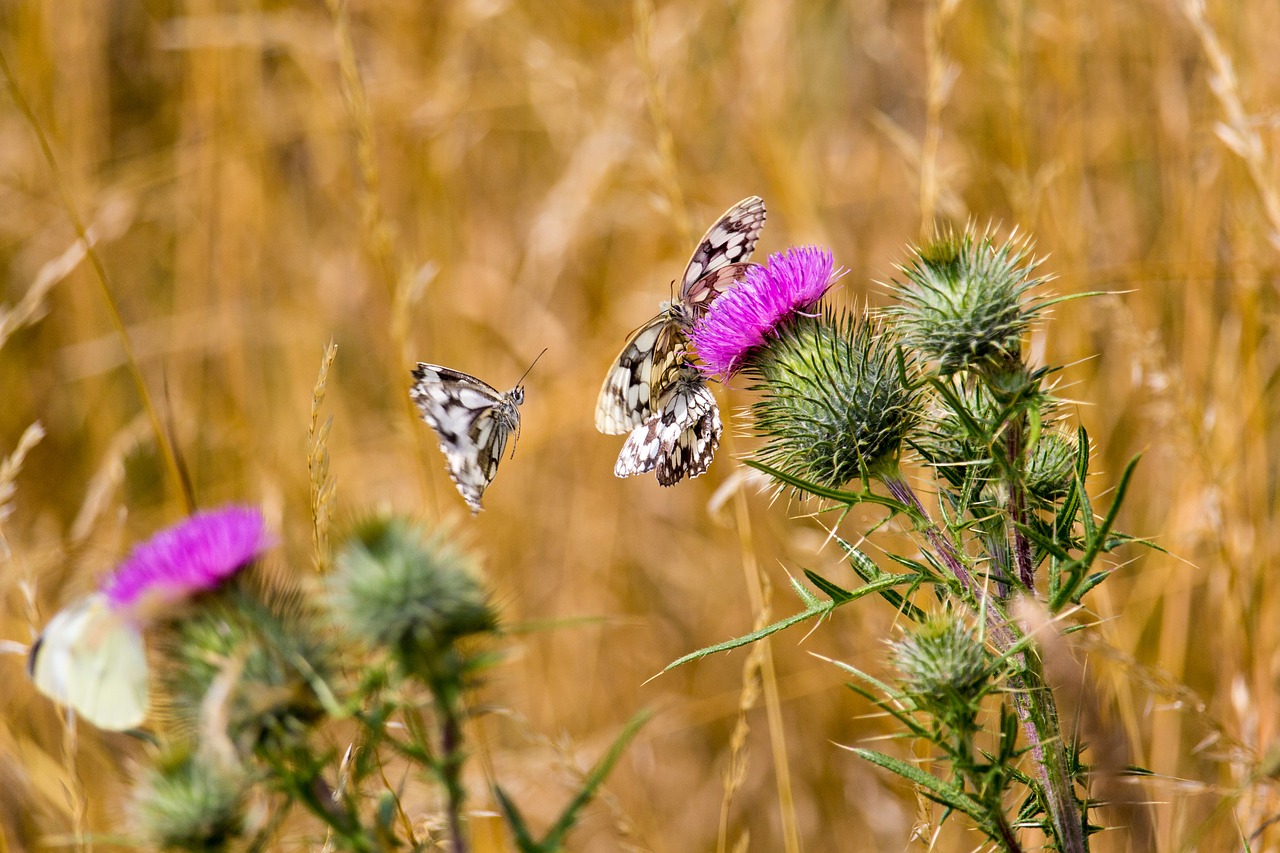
(745, 317)
(190, 557)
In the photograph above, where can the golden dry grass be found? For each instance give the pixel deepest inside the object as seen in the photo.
(470, 182)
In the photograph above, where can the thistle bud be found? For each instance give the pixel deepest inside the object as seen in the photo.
(963, 301)
(184, 803)
(413, 593)
(942, 662)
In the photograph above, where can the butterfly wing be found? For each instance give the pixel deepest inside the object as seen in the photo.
(638, 375)
(705, 290)
(731, 240)
(654, 358)
(472, 421)
(693, 450)
(680, 439)
(92, 659)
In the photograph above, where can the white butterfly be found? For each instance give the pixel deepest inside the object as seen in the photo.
(91, 658)
(652, 391)
(472, 421)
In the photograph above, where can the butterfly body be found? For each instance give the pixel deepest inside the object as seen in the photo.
(653, 392)
(472, 421)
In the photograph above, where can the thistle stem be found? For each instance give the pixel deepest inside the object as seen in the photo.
(451, 760)
(945, 548)
(1033, 700)
(1018, 504)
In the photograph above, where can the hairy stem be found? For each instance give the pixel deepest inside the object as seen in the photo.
(1033, 700)
(1018, 503)
(1038, 711)
(945, 548)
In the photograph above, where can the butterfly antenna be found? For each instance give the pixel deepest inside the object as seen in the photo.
(520, 381)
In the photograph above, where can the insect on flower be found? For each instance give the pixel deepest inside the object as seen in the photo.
(472, 421)
(91, 655)
(653, 391)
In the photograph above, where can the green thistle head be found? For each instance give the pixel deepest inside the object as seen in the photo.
(183, 803)
(943, 664)
(963, 301)
(837, 398)
(1051, 468)
(410, 592)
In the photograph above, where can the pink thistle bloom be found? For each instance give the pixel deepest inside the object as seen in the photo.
(194, 556)
(745, 317)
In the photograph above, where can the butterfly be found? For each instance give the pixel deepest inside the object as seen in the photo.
(653, 391)
(91, 658)
(472, 421)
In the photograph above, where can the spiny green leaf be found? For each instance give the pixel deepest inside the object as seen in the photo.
(935, 789)
(820, 609)
(867, 569)
(838, 594)
(837, 495)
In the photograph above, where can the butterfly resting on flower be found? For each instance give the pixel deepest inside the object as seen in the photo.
(653, 391)
(472, 421)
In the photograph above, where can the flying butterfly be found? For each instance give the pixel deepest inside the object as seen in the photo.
(652, 391)
(472, 421)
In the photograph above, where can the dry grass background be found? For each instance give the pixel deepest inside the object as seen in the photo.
(470, 182)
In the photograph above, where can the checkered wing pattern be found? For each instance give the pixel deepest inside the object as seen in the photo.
(647, 392)
(472, 421)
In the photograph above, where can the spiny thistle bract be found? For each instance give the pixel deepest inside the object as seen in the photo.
(184, 803)
(411, 592)
(837, 398)
(963, 302)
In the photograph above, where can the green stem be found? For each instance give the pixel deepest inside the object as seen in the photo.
(451, 760)
(1034, 702)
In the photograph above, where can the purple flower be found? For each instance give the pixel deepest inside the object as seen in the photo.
(188, 558)
(745, 317)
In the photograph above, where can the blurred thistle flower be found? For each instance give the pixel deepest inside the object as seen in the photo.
(411, 592)
(943, 664)
(184, 803)
(838, 399)
(749, 315)
(91, 655)
(196, 555)
(245, 667)
(963, 300)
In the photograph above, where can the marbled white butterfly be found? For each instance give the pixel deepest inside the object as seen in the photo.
(472, 421)
(652, 391)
